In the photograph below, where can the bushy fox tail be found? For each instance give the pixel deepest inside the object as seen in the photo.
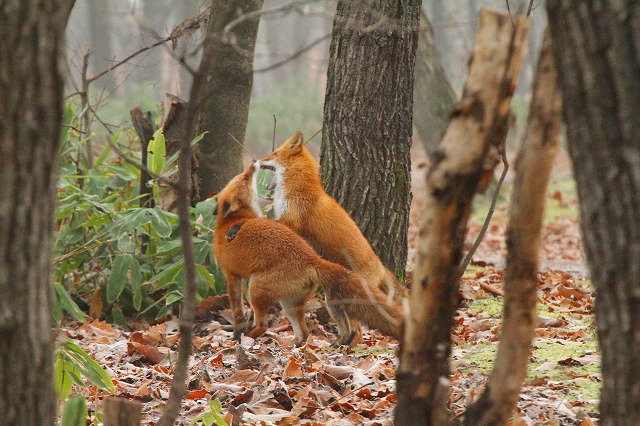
(349, 296)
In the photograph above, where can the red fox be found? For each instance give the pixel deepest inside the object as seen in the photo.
(300, 202)
(282, 267)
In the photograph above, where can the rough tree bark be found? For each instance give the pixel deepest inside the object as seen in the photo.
(433, 96)
(519, 318)
(223, 112)
(596, 46)
(32, 35)
(366, 141)
(423, 375)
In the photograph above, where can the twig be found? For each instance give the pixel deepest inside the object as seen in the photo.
(242, 145)
(314, 135)
(273, 141)
(341, 398)
(492, 208)
(140, 166)
(187, 312)
(294, 55)
(178, 31)
(530, 9)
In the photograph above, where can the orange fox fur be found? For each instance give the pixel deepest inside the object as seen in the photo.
(282, 267)
(301, 203)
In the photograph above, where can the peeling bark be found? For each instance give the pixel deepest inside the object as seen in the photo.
(452, 180)
(533, 168)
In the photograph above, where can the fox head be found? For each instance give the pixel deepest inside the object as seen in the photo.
(238, 199)
(295, 169)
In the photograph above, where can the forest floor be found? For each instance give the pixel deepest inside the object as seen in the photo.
(269, 381)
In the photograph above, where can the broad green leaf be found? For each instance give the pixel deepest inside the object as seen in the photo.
(156, 153)
(127, 243)
(87, 366)
(67, 303)
(75, 411)
(136, 282)
(61, 380)
(173, 297)
(168, 275)
(206, 276)
(160, 223)
(56, 309)
(118, 276)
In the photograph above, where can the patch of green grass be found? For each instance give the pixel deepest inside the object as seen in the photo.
(491, 306)
(364, 350)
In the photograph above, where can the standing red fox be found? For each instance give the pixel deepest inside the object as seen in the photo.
(282, 267)
(301, 203)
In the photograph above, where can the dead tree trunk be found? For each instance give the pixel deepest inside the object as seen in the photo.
(145, 130)
(31, 85)
(533, 167)
(365, 156)
(122, 412)
(596, 49)
(173, 122)
(423, 375)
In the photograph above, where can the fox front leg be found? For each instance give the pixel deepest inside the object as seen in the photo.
(234, 288)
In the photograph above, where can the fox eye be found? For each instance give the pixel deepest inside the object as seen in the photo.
(225, 208)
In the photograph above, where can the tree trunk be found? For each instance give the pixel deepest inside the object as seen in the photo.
(533, 167)
(423, 375)
(99, 14)
(596, 49)
(223, 112)
(30, 115)
(433, 96)
(174, 111)
(366, 141)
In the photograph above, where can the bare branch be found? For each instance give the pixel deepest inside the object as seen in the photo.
(187, 312)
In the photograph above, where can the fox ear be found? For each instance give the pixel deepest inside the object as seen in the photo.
(296, 142)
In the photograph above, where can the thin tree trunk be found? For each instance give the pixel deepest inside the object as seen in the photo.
(365, 155)
(433, 96)
(423, 375)
(32, 35)
(145, 130)
(224, 112)
(596, 46)
(533, 168)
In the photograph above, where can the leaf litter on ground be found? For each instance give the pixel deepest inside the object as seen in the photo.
(268, 381)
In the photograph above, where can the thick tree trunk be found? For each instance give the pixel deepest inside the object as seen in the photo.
(223, 104)
(598, 58)
(30, 116)
(366, 141)
(423, 375)
(533, 168)
(433, 96)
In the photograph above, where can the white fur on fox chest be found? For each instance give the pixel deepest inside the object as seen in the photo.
(280, 204)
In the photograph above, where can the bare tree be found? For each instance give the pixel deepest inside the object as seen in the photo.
(368, 107)
(32, 35)
(533, 168)
(475, 128)
(596, 50)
